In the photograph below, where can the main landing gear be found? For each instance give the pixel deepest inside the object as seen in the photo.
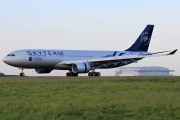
(71, 74)
(89, 74)
(21, 71)
(94, 74)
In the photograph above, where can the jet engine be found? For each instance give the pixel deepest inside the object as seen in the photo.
(81, 68)
(43, 70)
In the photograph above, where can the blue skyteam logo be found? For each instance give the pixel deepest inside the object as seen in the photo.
(30, 58)
(144, 38)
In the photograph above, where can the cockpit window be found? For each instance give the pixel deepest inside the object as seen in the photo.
(11, 55)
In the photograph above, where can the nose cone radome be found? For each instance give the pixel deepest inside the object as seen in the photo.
(7, 60)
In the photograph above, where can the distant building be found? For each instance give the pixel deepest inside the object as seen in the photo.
(143, 71)
(2, 74)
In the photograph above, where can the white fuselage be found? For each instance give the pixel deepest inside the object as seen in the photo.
(43, 58)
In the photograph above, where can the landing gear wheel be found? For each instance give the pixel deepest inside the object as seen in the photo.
(22, 74)
(21, 71)
(71, 74)
(94, 74)
(89, 74)
(98, 74)
(67, 74)
(76, 74)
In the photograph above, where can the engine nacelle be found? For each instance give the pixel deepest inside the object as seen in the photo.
(43, 70)
(81, 68)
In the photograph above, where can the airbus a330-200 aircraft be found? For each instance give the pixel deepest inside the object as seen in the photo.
(82, 61)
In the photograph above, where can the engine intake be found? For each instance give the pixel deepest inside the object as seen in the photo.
(81, 68)
(43, 70)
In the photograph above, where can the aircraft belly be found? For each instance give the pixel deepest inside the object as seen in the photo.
(62, 67)
(36, 64)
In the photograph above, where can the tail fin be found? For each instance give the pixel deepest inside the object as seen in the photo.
(143, 41)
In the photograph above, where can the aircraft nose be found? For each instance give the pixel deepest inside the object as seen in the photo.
(5, 60)
(10, 60)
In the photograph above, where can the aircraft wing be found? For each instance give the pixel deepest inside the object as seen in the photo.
(100, 62)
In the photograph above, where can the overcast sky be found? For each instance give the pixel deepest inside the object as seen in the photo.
(89, 24)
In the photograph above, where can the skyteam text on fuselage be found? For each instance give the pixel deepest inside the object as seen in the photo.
(82, 61)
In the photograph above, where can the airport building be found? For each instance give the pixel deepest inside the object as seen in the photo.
(143, 71)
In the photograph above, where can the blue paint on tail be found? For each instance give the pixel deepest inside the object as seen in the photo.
(143, 41)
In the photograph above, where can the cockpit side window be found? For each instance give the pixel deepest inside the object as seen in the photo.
(13, 55)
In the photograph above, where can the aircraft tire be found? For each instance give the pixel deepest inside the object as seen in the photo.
(89, 74)
(75, 74)
(67, 74)
(22, 74)
(71, 74)
(93, 74)
(98, 74)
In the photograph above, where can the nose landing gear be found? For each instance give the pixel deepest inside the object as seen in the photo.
(21, 71)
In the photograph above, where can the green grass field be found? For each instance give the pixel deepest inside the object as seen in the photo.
(92, 98)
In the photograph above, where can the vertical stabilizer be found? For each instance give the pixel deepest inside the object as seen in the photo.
(143, 41)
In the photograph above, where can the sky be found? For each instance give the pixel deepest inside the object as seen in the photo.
(91, 25)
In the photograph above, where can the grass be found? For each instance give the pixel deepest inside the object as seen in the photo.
(93, 98)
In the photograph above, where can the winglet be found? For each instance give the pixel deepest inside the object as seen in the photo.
(171, 53)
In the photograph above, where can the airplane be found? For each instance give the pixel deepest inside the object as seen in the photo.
(82, 61)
